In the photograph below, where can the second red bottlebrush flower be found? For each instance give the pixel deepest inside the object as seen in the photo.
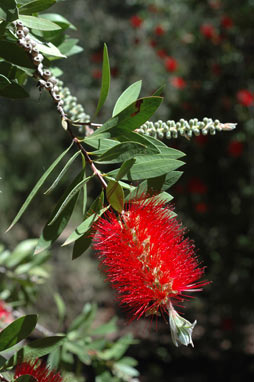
(147, 258)
(38, 370)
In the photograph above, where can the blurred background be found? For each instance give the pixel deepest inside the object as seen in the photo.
(203, 52)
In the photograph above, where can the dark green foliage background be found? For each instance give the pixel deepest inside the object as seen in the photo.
(31, 138)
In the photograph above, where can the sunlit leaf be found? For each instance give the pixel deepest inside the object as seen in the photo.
(130, 95)
(105, 82)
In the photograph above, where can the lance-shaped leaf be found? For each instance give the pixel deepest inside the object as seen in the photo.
(62, 173)
(38, 23)
(130, 118)
(125, 167)
(122, 152)
(11, 52)
(37, 187)
(81, 245)
(84, 227)
(68, 198)
(164, 149)
(115, 195)
(51, 232)
(36, 349)
(17, 331)
(35, 6)
(148, 166)
(14, 91)
(129, 96)
(105, 82)
(4, 81)
(8, 10)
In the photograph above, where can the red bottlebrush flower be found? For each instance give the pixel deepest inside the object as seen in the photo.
(235, 148)
(136, 21)
(226, 22)
(196, 186)
(201, 207)
(245, 97)
(159, 30)
(170, 64)
(178, 82)
(97, 57)
(37, 370)
(153, 43)
(216, 69)
(161, 53)
(5, 315)
(96, 73)
(201, 139)
(208, 31)
(147, 258)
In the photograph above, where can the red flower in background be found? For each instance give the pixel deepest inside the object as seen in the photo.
(146, 257)
(178, 82)
(197, 186)
(235, 148)
(159, 30)
(37, 370)
(201, 207)
(96, 73)
(245, 97)
(201, 139)
(208, 31)
(161, 53)
(170, 64)
(226, 22)
(5, 315)
(136, 21)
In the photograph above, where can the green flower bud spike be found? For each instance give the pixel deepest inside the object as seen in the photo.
(181, 329)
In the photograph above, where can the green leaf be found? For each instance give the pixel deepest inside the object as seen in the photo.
(50, 50)
(149, 167)
(2, 361)
(21, 252)
(59, 20)
(67, 45)
(125, 167)
(164, 149)
(13, 90)
(105, 83)
(126, 369)
(26, 378)
(122, 152)
(81, 245)
(37, 187)
(4, 81)
(8, 10)
(38, 23)
(118, 348)
(99, 143)
(61, 307)
(17, 331)
(130, 118)
(36, 6)
(69, 197)
(108, 327)
(62, 173)
(42, 347)
(81, 229)
(159, 91)
(115, 195)
(142, 139)
(129, 96)
(84, 319)
(51, 232)
(84, 227)
(11, 52)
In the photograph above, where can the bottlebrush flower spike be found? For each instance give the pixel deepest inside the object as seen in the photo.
(38, 370)
(148, 260)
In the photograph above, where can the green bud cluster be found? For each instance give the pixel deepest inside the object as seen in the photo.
(171, 129)
(72, 108)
